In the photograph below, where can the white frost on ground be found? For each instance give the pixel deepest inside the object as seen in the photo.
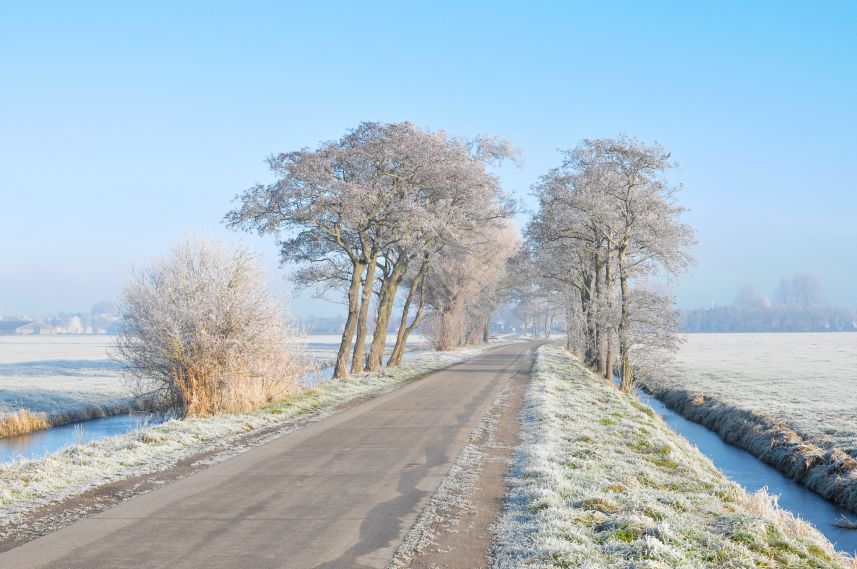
(807, 381)
(26, 485)
(601, 481)
(52, 374)
(323, 347)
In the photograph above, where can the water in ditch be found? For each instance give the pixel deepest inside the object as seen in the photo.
(753, 474)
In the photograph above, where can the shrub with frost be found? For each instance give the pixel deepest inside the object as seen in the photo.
(203, 332)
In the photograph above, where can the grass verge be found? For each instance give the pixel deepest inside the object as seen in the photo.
(601, 481)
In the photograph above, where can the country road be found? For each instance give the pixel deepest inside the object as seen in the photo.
(342, 492)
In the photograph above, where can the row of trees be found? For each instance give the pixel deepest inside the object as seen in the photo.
(608, 223)
(798, 306)
(391, 211)
(391, 215)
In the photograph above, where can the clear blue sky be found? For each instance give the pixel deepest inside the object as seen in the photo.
(124, 128)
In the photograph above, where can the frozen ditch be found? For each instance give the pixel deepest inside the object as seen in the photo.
(40, 443)
(753, 474)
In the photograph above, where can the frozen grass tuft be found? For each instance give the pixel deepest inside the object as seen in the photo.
(845, 522)
(598, 482)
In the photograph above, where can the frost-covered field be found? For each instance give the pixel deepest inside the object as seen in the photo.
(28, 484)
(808, 380)
(600, 481)
(50, 373)
(323, 347)
(790, 399)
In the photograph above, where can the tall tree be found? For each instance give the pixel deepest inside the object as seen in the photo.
(609, 218)
(355, 213)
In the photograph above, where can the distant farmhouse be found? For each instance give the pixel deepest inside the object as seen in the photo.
(26, 328)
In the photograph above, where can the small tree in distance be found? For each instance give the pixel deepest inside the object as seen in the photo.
(203, 332)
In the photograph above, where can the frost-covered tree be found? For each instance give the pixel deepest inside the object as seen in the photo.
(803, 291)
(608, 218)
(322, 214)
(748, 298)
(464, 290)
(640, 218)
(371, 211)
(203, 333)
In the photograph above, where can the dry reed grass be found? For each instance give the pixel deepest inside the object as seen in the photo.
(22, 422)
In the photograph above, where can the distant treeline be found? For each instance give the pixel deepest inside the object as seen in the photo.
(769, 319)
(798, 306)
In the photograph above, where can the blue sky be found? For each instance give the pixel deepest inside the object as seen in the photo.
(123, 128)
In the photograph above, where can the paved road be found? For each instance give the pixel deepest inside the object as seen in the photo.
(338, 493)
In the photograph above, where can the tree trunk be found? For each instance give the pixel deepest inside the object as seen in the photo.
(406, 329)
(608, 284)
(340, 369)
(601, 337)
(451, 329)
(365, 300)
(569, 341)
(589, 317)
(385, 308)
(627, 377)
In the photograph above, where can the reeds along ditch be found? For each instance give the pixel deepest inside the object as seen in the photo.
(829, 472)
(24, 421)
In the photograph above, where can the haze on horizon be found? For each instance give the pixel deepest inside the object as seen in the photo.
(123, 132)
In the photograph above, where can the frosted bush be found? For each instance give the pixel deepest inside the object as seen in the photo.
(203, 332)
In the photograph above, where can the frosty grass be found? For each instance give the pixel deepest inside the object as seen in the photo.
(600, 481)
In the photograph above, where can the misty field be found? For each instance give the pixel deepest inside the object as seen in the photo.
(790, 399)
(808, 381)
(59, 374)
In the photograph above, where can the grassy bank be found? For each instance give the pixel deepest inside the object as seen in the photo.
(786, 398)
(601, 481)
(26, 485)
(830, 472)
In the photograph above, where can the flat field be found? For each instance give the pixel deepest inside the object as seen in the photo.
(789, 399)
(807, 381)
(49, 374)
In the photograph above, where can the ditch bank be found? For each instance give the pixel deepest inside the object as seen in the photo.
(601, 480)
(830, 472)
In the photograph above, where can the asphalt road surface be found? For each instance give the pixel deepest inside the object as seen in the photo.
(342, 492)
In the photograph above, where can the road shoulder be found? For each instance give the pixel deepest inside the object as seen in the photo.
(454, 530)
